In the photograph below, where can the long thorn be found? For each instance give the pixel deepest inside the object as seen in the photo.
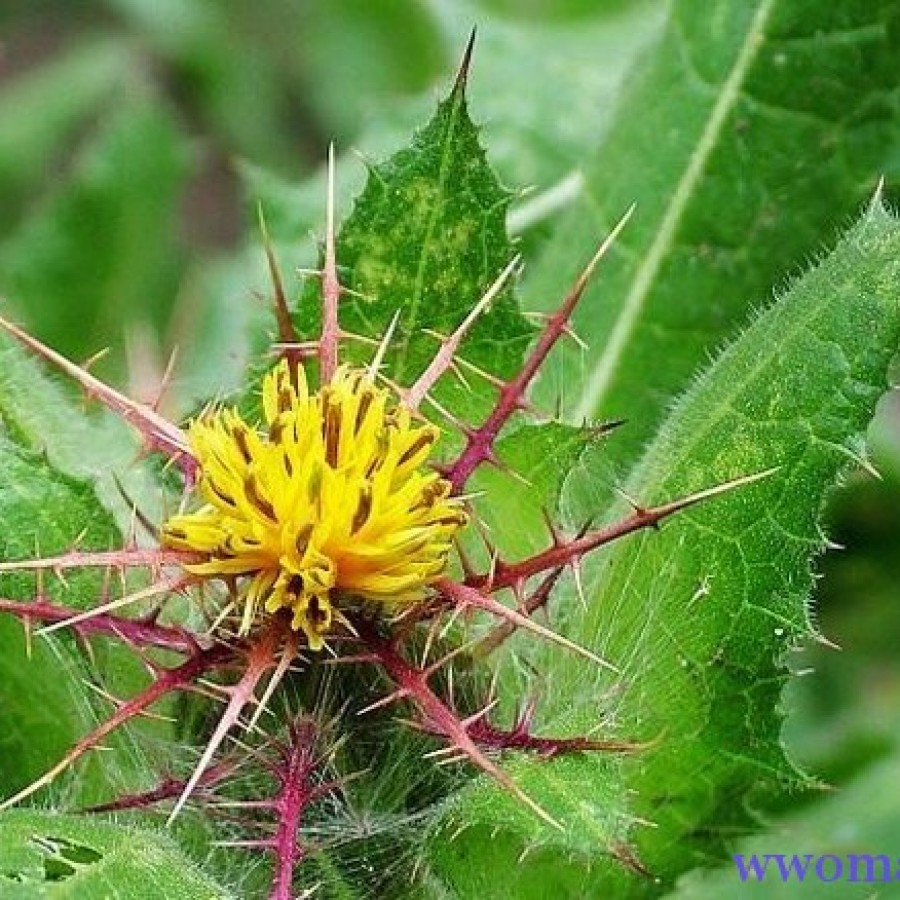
(378, 359)
(500, 632)
(158, 433)
(461, 594)
(443, 359)
(288, 654)
(331, 287)
(154, 590)
(287, 334)
(137, 559)
(170, 680)
(462, 74)
(564, 554)
(165, 381)
(480, 443)
(261, 658)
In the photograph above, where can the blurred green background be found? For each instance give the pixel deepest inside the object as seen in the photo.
(138, 136)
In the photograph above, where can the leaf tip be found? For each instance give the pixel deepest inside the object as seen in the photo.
(878, 197)
(462, 73)
(627, 856)
(878, 208)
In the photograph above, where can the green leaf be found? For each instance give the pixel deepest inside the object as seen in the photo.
(40, 504)
(101, 253)
(519, 499)
(750, 133)
(427, 237)
(46, 704)
(699, 617)
(42, 417)
(48, 855)
(535, 141)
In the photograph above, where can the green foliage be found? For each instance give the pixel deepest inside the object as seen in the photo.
(42, 718)
(48, 855)
(103, 246)
(38, 414)
(700, 617)
(44, 688)
(65, 92)
(745, 142)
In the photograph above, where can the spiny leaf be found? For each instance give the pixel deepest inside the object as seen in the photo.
(44, 698)
(48, 855)
(742, 141)
(700, 616)
(92, 445)
(427, 237)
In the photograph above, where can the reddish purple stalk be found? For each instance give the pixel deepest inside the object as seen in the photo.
(565, 553)
(295, 795)
(137, 632)
(168, 789)
(512, 397)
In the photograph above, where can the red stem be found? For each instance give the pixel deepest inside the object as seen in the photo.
(480, 442)
(168, 788)
(506, 575)
(520, 738)
(439, 717)
(292, 801)
(137, 632)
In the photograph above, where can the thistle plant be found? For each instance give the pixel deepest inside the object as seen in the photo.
(394, 601)
(323, 527)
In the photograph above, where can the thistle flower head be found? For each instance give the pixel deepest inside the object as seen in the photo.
(328, 506)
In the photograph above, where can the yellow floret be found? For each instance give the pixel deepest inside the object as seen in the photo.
(332, 503)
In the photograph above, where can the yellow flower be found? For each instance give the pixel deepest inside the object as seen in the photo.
(331, 505)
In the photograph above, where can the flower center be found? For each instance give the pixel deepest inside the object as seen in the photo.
(331, 502)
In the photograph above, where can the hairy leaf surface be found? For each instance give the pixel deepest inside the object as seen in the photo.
(46, 703)
(48, 855)
(699, 616)
(752, 132)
